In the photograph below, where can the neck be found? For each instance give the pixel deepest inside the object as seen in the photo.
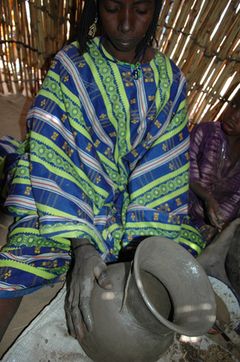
(130, 56)
(232, 140)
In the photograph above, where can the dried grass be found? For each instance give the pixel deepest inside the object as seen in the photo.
(32, 31)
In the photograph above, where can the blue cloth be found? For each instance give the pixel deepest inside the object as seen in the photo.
(105, 158)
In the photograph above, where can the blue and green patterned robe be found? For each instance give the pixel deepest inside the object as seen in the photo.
(105, 158)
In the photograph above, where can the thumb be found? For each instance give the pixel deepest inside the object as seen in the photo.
(100, 272)
(236, 222)
(213, 218)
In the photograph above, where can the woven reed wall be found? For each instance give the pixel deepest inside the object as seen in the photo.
(202, 37)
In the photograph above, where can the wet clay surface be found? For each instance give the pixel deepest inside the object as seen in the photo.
(47, 339)
(124, 328)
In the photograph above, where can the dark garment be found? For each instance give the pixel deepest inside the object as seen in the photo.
(211, 167)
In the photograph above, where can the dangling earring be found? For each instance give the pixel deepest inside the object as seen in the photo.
(93, 28)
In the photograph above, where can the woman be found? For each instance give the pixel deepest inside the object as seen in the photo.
(215, 172)
(104, 163)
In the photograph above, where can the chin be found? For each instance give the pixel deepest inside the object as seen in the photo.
(125, 48)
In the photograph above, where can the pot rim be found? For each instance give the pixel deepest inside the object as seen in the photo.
(171, 325)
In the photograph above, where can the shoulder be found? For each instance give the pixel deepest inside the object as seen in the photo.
(67, 60)
(206, 131)
(162, 59)
(69, 53)
(71, 48)
(208, 127)
(170, 75)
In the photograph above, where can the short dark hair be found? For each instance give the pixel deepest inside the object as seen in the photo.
(90, 14)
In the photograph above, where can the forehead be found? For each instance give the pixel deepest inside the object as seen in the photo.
(234, 107)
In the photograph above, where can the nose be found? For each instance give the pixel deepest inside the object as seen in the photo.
(125, 21)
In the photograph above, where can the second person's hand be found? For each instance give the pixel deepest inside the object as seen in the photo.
(214, 214)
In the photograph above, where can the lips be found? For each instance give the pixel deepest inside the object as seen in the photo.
(228, 126)
(125, 43)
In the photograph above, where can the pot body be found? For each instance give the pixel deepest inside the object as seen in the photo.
(232, 263)
(164, 291)
(124, 329)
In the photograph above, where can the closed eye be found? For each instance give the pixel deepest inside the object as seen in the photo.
(112, 10)
(142, 12)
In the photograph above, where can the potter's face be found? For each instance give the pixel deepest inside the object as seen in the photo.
(125, 23)
(231, 121)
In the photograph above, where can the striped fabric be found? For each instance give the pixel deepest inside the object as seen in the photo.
(106, 158)
(212, 168)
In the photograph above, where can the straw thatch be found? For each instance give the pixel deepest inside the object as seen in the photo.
(202, 37)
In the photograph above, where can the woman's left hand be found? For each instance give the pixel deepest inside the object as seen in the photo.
(88, 268)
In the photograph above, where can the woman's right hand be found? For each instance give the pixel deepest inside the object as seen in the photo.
(88, 267)
(213, 212)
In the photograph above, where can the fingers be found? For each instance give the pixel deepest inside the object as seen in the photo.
(79, 326)
(70, 325)
(215, 220)
(100, 273)
(88, 268)
(104, 281)
(86, 292)
(214, 214)
(73, 313)
(68, 310)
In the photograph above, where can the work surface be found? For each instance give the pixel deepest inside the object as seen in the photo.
(47, 338)
(38, 342)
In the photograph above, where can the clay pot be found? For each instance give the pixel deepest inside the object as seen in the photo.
(232, 264)
(164, 291)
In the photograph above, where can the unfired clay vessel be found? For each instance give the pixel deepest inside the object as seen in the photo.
(233, 264)
(221, 259)
(164, 291)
